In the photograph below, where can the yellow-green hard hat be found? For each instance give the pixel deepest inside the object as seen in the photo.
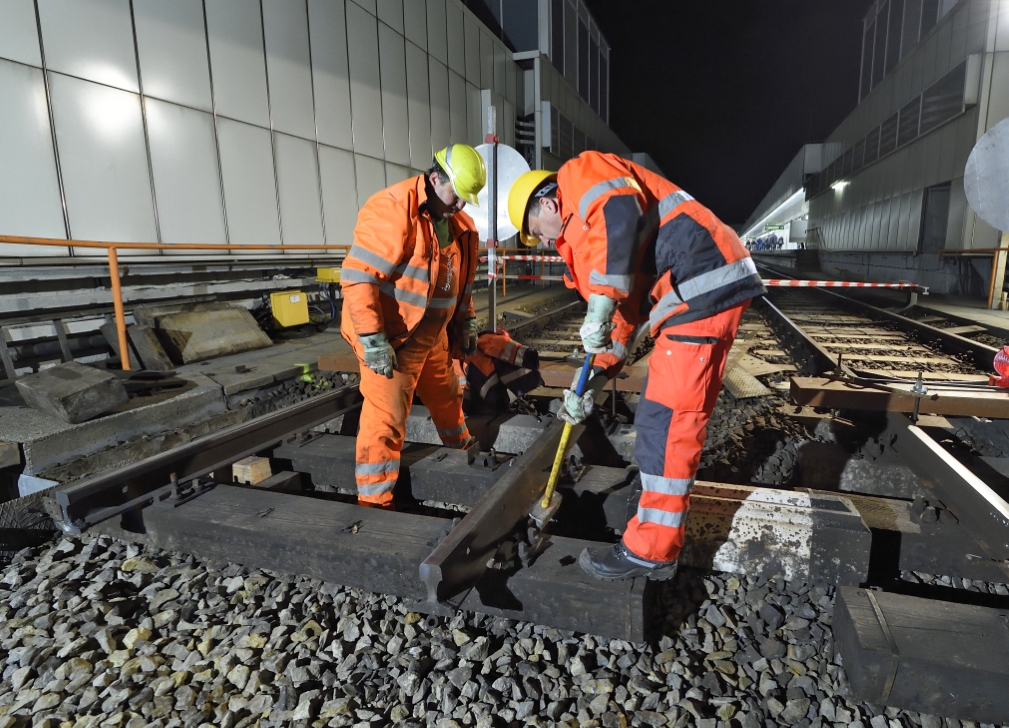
(519, 197)
(465, 169)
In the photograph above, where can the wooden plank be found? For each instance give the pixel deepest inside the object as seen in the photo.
(900, 359)
(379, 550)
(940, 658)
(759, 367)
(970, 329)
(560, 375)
(932, 376)
(874, 347)
(824, 392)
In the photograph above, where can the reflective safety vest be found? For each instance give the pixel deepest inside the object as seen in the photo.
(388, 277)
(499, 365)
(637, 238)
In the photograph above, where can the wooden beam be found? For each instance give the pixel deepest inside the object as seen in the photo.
(939, 400)
(934, 657)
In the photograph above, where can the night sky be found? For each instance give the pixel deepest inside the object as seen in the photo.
(723, 93)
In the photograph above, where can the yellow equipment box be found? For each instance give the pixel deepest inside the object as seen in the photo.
(290, 308)
(328, 275)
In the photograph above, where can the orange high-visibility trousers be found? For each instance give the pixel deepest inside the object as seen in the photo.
(425, 368)
(684, 378)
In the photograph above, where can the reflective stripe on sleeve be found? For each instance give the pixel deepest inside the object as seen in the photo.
(353, 275)
(619, 281)
(370, 257)
(413, 271)
(390, 466)
(700, 285)
(713, 279)
(602, 188)
(671, 201)
(376, 488)
(487, 386)
(666, 486)
(660, 517)
(399, 294)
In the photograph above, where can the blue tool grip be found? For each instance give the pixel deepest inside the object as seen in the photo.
(583, 380)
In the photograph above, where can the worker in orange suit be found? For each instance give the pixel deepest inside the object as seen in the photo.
(640, 249)
(408, 310)
(498, 366)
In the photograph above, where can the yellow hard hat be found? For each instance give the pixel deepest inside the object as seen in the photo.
(465, 169)
(519, 197)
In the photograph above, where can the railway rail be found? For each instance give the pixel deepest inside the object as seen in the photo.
(910, 507)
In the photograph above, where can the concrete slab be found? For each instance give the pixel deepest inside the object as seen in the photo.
(73, 392)
(152, 354)
(46, 440)
(191, 336)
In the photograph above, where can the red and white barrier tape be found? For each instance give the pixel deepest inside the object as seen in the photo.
(793, 283)
(543, 258)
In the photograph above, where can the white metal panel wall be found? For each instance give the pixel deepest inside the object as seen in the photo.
(339, 194)
(267, 120)
(365, 82)
(237, 60)
(103, 156)
(250, 191)
(289, 69)
(395, 113)
(29, 190)
(90, 39)
(298, 186)
(184, 160)
(172, 41)
(19, 38)
(331, 75)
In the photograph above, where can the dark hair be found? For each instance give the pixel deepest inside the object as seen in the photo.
(442, 177)
(546, 191)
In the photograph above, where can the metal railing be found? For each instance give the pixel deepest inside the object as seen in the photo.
(113, 259)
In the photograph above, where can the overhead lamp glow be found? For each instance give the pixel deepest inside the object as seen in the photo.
(839, 185)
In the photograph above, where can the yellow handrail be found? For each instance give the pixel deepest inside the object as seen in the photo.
(112, 248)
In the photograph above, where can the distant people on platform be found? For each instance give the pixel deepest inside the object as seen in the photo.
(769, 242)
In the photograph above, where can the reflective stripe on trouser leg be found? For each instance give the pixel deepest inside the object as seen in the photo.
(382, 431)
(678, 397)
(439, 390)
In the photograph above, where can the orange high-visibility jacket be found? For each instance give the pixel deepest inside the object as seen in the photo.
(389, 275)
(637, 238)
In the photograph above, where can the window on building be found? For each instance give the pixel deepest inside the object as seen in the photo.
(566, 137)
(858, 160)
(912, 26)
(934, 219)
(944, 99)
(584, 77)
(888, 136)
(604, 84)
(893, 34)
(929, 16)
(879, 46)
(557, 34)
(571, 43)
(910, 116)
(872, 146)
(521, 20)
(594, 86)
(867, 45)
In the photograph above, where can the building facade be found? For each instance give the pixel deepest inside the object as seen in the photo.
(888, 202)
(270, 121)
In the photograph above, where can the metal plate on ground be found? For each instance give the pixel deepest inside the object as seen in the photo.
(986, 178)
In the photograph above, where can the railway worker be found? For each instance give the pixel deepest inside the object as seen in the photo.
(639, 249)
(408, 310)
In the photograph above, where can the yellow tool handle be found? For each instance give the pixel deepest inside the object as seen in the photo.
(555, 471)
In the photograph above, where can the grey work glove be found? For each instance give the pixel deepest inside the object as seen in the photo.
(598, 324)
(470, 337)
(379, 356)
(577, 408)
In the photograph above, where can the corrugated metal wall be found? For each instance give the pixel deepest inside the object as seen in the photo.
(241, 121)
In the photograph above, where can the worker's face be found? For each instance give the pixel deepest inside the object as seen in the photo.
(547, 224)
(445, 202)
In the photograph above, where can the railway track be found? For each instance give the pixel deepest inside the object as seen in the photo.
(453, 609)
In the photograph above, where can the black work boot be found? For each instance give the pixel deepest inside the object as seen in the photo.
(617, 562)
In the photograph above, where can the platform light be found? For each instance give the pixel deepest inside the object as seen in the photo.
(796, 196)
(839, 185)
